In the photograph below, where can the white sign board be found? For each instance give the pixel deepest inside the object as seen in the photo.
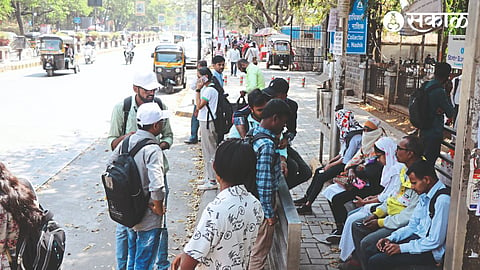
(456, 51)
(338, 43)
(332, 20)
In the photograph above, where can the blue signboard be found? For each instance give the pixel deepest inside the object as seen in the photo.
(77, 20)
(357, 28)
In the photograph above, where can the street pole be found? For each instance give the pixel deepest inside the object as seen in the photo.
(339, 77)
(199, 30)
(213, 21)
(462, 235)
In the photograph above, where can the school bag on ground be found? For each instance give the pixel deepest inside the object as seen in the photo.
(224, 114)
(41, 249)
(418, 107)
(127, 202)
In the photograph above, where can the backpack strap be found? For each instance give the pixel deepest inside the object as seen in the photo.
(141, 144)
(127, 104)
(433, 200)
(137, 146)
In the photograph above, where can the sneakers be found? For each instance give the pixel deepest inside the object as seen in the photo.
(305, 210)
(334, 237)
(300, 201)
(191, 141)
(208, 186)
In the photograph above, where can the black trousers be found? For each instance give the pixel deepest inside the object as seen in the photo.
(338, 201)
(319, 180)
(298, 170)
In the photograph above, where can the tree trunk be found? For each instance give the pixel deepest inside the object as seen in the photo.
(270, 21)
(18, 16)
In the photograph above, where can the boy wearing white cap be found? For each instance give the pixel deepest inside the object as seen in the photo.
(123, 123)
(145, 236)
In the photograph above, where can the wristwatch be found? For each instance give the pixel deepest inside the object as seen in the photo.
(198, 90)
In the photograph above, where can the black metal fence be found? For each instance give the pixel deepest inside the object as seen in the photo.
(377, 80)
(307, 47)
(407, 82)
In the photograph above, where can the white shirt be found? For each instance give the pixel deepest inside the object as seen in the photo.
(234, 55)
(227, 230)
(251, 53)
(209, 94)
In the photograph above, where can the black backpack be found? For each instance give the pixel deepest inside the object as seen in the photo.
(127, 104)
(42, 249)
(418, 107)
(224, 114)
(127, 202)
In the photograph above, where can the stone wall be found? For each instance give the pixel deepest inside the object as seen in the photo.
(354, 74)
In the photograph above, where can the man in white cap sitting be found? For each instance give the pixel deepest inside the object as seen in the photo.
(123, 123)
(144, 237)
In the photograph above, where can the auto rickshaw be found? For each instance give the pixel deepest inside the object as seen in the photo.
(169, 65)
(58, 52)
(279, 54)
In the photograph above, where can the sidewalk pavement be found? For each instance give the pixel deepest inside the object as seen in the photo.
(313, 254)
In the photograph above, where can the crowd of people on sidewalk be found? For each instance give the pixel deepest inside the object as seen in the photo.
(390, 208)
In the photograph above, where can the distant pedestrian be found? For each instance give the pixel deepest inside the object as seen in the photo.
(228, 227)
(254, 78)
(274, 118)
(144, 237)
(233, 56)
(438, 105)
(218, 51)
(194, 124)
(455, 96)
(252, 54)
(206, 100)
(123, 123)
(19, 214)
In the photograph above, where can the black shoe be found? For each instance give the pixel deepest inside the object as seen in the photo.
(191, 141)
(305, 210)
(300, 201)
(334, 237)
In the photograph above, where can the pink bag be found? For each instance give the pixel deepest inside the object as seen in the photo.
(359, 183)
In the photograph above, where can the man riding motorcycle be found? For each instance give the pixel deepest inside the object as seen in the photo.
(128, 47)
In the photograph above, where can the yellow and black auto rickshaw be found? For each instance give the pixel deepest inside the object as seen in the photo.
(58, 52)
(169, 65)
(279, 53)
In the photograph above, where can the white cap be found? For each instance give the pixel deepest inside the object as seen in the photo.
(146, 80)
(150, 113)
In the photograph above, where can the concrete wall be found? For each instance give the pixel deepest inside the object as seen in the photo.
(354, 74)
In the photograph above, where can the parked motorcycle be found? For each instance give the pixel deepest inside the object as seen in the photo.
(89, 54)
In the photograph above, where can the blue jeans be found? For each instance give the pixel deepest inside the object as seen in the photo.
(194, 125)
(144, 251)
(125, 242)
(121, 239)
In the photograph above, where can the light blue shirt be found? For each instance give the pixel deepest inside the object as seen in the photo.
(420, 222)
(252, 123)
(353, 146)
(219, 77)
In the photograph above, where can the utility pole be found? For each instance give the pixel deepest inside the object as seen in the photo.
(339, 74)
(199, 30)
(213, 22)
(463, 226)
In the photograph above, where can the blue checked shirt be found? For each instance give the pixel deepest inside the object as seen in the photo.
(420, 223)
(268, 170)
